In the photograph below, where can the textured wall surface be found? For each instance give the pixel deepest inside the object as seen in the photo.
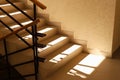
(90, 20)
(116, 39)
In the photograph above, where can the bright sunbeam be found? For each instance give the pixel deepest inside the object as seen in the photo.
(57, 40)
(50, 44)
(45, 30)
(41, 49)
(92, 60)
(14, 13)
(84, 69)
(27, 37)
(71, 49)
(65, 53)
(73, 72)
(23, 23)
(86, 66)
(5, 5)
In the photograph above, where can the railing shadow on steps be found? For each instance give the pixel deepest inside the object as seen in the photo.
(34, 34)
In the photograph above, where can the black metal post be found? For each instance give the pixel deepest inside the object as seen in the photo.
(7, 60)
(35, 52)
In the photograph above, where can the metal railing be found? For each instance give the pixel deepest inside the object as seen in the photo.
(34, 34)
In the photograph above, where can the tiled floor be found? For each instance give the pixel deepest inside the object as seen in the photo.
(108, 70)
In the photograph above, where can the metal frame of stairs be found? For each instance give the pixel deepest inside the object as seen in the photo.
(27, 52)
(35, 45)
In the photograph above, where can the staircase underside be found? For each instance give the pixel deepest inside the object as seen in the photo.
(4, 73)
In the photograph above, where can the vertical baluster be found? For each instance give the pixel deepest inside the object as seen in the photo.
(34, 31)
(7, 59)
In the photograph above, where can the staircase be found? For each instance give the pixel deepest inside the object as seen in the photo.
(54, 49)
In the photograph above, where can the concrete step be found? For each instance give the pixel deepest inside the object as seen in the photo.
(59, 58)
(15, 26)
(54, 43)
(16, 15)
(55, 60)
(58, 51)
(69, 71)
(43, 52)
(9, 8)
(18, 44)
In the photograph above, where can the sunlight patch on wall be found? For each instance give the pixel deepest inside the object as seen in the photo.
(64, 54)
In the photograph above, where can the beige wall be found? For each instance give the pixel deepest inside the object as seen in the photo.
(116, 40)
(90, 20)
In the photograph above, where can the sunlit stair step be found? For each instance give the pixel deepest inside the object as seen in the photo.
(18, 44)
(28, 54)
(71, 71)
(48, 30)
(53, 43)
(16, 15)
(59, 58)
(9, 8)
(15, 26)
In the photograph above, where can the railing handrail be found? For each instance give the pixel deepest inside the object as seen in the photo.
(18, 30)
(39, 4)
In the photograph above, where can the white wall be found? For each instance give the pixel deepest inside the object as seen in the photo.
(90, 20)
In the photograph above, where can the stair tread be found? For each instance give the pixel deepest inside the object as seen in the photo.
(53, 43)
(59, 50)
(59, 58)
(12, 13)
(5, 2)
(25, 35)
(67, 72)
(8, 7)
(15, 26)
(16, 16)
(42, 51)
